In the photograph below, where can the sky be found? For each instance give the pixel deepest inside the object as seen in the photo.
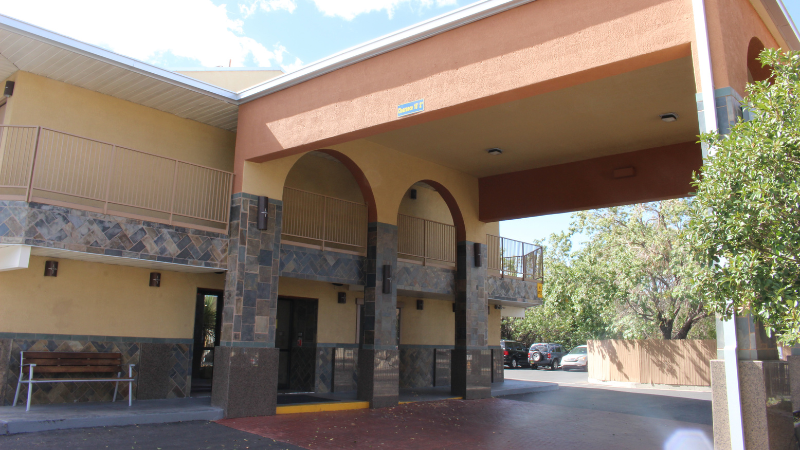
(280, 34)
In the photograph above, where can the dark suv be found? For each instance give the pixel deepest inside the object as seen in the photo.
(514, 355)
(543, 354)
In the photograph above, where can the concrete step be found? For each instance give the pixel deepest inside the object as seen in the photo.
(15, 420)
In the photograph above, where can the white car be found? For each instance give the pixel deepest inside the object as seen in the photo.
(576, 359)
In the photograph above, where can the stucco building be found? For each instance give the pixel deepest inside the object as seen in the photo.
(341, 221)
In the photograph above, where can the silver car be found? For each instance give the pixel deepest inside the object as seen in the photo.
(576, 359)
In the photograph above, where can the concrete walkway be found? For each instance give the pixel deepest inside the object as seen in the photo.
(82, 415)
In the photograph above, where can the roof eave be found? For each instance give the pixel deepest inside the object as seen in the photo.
(370, 49)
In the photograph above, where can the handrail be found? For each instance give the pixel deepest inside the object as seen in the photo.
(515, 258)
(94, 175)
(427, 239)
(325, 219)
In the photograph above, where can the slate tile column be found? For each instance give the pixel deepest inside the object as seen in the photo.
(246, 362)
(471, 371)
(378, 356)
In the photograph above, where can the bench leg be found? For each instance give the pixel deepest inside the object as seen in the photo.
(30, 388)
(130, 385)
(19, 382)
(116, 386)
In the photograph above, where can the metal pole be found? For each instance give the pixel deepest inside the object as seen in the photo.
(108, 183)
(32, 169)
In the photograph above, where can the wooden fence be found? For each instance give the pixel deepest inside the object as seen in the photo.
(680, 362)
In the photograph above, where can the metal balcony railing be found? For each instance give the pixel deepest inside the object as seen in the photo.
(515, 259)
(332, 222)
(426, 239)
(49, 166)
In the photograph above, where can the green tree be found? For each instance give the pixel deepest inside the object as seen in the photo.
(642, 265)
(631, 279)
(745, 219)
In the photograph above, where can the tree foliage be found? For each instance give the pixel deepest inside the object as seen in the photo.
(745, 220)
(631, 279)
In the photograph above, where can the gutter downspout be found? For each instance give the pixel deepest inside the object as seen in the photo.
(728, 327)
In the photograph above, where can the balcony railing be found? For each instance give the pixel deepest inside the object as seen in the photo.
(426, 240)
(327, 222)
(48, 166)
(515, 259)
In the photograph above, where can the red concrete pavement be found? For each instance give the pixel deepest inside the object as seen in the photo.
(476, 424)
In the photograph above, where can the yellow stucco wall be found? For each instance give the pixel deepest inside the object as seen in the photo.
(336, 322)
(428, 205)
(101, 300)
(41, 101)
(322, 176)
(434, 325)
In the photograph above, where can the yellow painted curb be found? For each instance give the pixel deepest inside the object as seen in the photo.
(321, 407)
(437, 400)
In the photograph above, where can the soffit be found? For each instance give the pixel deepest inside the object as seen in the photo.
(59, 253)
(613, 115)
(31, 49)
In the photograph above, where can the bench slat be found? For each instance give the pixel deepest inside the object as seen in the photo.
(71, 355)
(73, 362)
(78, 369)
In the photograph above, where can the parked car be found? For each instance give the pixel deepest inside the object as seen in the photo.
(514, 355)
(577, 358)
(545, 354)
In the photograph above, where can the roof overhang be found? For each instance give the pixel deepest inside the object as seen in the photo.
(780, 24)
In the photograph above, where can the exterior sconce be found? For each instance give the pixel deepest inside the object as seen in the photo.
(51, 268)
(155, 279)
(341, 297)
(263, 213)
(498, 307)
(420, 304)
(477, 247)
(412, 194)
(9, 91)
(669, 117)
(454, 306)
(387, 279)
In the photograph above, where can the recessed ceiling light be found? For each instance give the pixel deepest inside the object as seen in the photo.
(669, 117)
(494, 151)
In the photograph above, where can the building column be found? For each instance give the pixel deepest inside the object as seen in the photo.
(246, 362)
(471, 376)
(378, 355)
(764, 389)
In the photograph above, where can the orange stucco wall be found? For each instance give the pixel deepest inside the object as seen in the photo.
(731, 26)
(528, 50)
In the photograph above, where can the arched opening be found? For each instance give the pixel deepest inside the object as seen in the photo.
(429, 224)
(755, 71)
(327, 203)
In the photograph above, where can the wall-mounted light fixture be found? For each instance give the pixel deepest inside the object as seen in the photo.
(412, 194)
(477, 247)
(263, 213)
(454, 307)
(9, 89)
(669, 117)
(494, 151)
(155, 279)
(498, 306)
(51, 268)
(420, 304)
(387, 279)
(341, 297)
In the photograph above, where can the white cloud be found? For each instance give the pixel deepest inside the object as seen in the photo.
(349, 9)
(149, 29)
(247, 9)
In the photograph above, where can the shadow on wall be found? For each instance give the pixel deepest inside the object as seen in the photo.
(677, 362)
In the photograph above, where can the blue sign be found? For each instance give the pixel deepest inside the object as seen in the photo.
(411, 108)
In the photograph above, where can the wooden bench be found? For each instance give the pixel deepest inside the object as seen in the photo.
(72, 362)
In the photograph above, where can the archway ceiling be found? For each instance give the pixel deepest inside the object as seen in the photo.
(613, 115)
